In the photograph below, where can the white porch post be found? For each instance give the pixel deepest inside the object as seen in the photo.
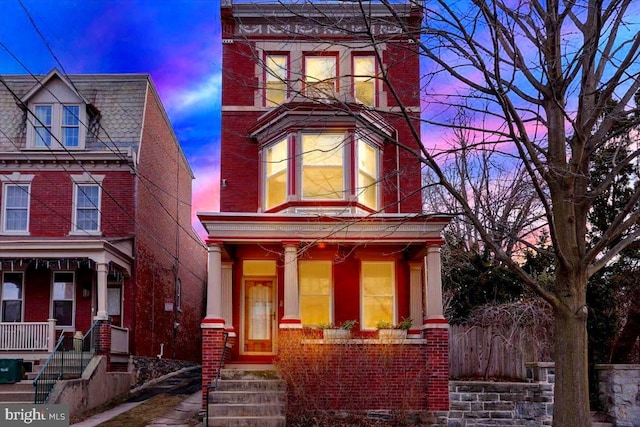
(433, 287)
(51, 338)
(415, 295)
(291, 318)
(214, 317)
(102, 270)
(227, 296)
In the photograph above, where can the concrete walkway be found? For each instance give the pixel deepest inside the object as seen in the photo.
(173, 383)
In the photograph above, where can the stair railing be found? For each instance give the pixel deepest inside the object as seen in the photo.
(69, 358)
(214, 383)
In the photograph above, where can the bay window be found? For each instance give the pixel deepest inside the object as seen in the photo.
(364, 82)
(315, 284)
(63, 299)
(322, 166)
(276, 174)
(377, 280)
(276, 75)
(320, 76)
(367, 190)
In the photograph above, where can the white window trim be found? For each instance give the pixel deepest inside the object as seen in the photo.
(394, 296)
(287, 171)
(331, 289)
(15, 178)
(356, 163)
(355, 78)
(21, 273)
(71, 327)
(347, 168)
(268, 76)
(86, 179)
(56, 126)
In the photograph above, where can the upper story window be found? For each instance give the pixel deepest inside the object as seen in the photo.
(276, 174)
(16, 208)
(330, 167)
(364, 79)
(321, 76)
(276, 75)
(323, 166)
(56, 126)
(87, 208)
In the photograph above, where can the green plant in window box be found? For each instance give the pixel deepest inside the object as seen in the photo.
(387, 331)
(338, 332)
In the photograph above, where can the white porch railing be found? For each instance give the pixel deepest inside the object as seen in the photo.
(19, 336)
(119, 340)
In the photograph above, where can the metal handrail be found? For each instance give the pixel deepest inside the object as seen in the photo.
(67, 359)
(214, 383)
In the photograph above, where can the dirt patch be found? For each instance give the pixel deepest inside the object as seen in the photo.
(149, 368)
(146, 412)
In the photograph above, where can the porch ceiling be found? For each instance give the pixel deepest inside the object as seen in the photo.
(382, 228)
(119, 252)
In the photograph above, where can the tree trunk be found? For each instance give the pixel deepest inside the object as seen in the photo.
(571, 395)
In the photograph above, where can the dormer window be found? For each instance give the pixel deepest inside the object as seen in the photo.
(56, 126)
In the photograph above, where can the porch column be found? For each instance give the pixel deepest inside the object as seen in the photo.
(227, 297)
(433, 287)
(291, 318)
(415, 298)
(214, 317)
(102, 270)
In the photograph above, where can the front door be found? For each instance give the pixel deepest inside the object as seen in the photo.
(259, 316)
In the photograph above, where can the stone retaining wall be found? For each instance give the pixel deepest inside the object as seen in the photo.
(619, 392)
(475, 403)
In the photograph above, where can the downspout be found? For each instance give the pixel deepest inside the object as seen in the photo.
(395, 134)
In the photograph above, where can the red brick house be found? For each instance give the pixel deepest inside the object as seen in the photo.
(95, 218)
(321, 212)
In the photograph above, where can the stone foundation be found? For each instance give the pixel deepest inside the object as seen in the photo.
(619, 393)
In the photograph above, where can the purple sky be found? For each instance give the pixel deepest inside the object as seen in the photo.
(177, 42)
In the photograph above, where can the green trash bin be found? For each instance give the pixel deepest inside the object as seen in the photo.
(10, 370)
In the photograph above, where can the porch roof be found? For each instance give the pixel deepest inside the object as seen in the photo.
(119, 252)
(234, 227)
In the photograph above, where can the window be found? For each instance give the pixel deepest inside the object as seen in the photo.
(275, 79)
(315, 284)
(63, 298)
(322, 166)
(56, 126)
(70, 125)
(367, 189)
(276, 174)
(87, 207)
(378, 292)
(364, 82)
(12, 297)
(16, 208)
(43, 126)
(320, 76)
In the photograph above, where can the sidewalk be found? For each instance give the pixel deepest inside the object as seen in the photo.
(184, 411)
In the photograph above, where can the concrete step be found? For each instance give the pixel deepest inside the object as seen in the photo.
(247, 421)
(17, 396)
(251, 385)
(24, 385)
(261, 410)
(247, 397)
(601, 424)
(243, 374)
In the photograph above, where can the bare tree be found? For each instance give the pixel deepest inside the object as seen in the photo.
(518, 94)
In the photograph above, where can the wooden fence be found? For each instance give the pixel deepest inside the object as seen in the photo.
(486, 353)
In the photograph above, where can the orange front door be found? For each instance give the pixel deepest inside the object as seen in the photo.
(259, 316)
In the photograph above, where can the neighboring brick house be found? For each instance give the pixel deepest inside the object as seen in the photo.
(95, 218)
(321, 213)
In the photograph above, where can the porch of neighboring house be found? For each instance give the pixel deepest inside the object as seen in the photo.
(69, 301)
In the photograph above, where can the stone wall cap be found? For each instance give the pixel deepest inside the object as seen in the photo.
(619, 366)
(540, 364)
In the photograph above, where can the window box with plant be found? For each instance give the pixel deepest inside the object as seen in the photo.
(331, 332)
(387, 331)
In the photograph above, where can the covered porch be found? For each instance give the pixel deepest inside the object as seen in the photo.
(50, 288)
